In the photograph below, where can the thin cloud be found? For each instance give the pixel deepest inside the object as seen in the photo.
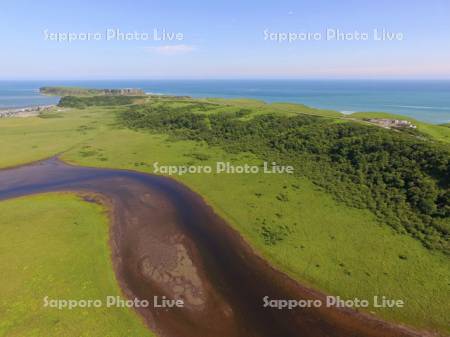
(174, 49)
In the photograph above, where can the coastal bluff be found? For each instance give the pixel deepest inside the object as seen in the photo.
(75, 91)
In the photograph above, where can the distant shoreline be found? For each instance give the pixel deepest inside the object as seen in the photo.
(27, 111)
(422, 100)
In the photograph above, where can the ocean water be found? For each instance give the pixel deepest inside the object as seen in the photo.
(22, 94)
(428, 101)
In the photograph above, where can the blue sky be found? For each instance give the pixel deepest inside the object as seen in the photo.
(225, 39)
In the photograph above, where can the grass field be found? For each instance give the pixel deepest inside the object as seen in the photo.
(338, 249)
(56, 245)
(31, 139)
(331, 247)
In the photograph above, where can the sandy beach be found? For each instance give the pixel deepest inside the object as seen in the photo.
(25, 112)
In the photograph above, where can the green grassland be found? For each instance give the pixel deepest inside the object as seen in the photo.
(317, 241)
(56, 245)
(401, 175)
(31, 139)
(297, 225)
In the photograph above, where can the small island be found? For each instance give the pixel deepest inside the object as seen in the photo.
(76, 91)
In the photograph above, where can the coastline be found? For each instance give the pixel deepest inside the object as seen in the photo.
(416, 99)
(28, 111)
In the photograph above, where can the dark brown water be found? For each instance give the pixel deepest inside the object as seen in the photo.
(167, 242)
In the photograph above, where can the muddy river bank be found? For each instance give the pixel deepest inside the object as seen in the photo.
(167, 242)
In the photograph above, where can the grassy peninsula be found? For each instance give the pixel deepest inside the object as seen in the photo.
(78, 91)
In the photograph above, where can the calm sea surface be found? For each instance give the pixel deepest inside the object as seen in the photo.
(424, 100)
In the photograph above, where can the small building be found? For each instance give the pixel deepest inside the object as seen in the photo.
(391, 123)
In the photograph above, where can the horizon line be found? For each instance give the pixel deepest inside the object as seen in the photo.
(231, 79)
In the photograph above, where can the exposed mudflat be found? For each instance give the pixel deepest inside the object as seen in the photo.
(167, 242)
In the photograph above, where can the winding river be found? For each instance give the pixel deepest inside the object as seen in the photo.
(166, 241)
